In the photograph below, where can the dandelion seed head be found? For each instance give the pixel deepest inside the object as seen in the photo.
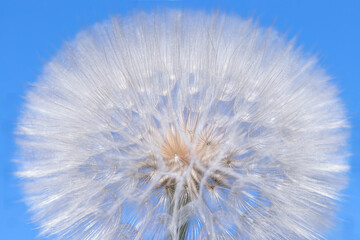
(182, 125)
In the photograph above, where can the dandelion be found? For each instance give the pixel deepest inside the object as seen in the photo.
(182, 125)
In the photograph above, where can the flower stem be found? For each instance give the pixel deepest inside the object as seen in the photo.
(185, 199)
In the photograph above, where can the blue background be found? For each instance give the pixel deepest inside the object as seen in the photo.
(32, 31)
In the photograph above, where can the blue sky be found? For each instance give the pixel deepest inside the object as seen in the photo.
(32, 31)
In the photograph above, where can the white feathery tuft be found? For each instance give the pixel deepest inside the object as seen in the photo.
(182, 125)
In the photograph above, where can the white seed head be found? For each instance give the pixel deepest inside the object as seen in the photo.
(182, 125)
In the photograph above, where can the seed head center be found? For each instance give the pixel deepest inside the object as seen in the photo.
(175, 151)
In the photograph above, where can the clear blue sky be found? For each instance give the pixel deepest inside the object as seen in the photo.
(32, 31)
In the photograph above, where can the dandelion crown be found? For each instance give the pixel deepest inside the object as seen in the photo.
(182, 125)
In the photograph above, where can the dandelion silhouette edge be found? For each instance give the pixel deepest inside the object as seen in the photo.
(182, 125)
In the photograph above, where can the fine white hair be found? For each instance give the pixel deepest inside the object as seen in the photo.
(182, 125)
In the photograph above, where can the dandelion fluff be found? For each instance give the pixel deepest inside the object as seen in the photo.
(182, 125)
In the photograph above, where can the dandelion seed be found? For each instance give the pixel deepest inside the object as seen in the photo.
(182, 125)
